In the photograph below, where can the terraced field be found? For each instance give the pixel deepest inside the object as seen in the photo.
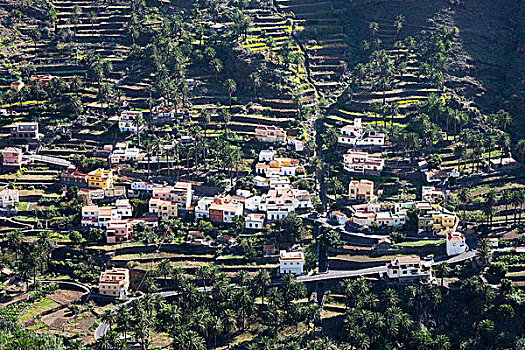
(321, 36)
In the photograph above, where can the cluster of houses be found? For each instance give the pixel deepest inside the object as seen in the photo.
(358, 135)
(98, 178)
(358, 161)
(117, 220)
(432, 218)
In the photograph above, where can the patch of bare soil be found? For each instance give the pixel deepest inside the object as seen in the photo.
(56, 319)
(64, 296)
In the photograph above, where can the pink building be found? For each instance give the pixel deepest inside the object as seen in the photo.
(12, 156)
(119, 231)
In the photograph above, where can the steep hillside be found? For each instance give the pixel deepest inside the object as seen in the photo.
(487, 57)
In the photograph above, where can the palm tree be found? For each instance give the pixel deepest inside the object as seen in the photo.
(76, 84)
(460, 152)
(230, 323)
(109, 317)
(148, 145)
(262, 280)
(488, 206)
(464, 197)
(137, 122)
(226, 117)
(255, 82)
(442, 270)
(216, 65)
(159, 148)
(230, 87)
(390, 297)
(215, 327)
(205, 117)
(506, 199)
(516, 201)
(394, 111)
(484, 249)
(244, 303)
(336, 186)
(504, 144)
(123, 319)
(14, 241)
(398, 24)
(521, 149)
(164, 269)
(374, 28)
(92, 17)
(203, 273)
(490, 143)
(376, 108)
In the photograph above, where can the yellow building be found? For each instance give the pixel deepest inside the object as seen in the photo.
(361, 190)
(100, 178)
(438, 221)
(168, 210)
(164, 208)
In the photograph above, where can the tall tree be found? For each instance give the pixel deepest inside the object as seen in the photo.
(230, 87)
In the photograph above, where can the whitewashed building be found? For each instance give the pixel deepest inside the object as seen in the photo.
(291, 262)
(456, 243)
(254, 222)
(409, 268)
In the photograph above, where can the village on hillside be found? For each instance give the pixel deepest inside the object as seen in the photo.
(292, 174)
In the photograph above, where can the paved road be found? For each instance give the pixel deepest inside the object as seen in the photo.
(52, 160)
(338, 274)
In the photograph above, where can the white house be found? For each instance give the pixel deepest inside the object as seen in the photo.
(202, 210)
(142, 186)
(279, 203)
(279, 182)
(128, 154)
(254, 222)
(253, 203)
(95, 216)
(114, 282)
(298, 145)
(362, 163)
(221, 212)
(124, 208)
(356, 135)
(127, 121)
(261, 181)
(456, 243)
(266, 155)
(9, 197)
(291, 262)
(180, 193)
(302, 199)
(431, 193)
(407, 268)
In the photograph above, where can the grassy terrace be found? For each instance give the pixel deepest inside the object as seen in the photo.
(37, 308)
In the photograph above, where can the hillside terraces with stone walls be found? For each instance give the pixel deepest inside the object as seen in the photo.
(322, 37)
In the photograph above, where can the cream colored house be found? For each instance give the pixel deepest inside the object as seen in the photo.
(114, 282)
